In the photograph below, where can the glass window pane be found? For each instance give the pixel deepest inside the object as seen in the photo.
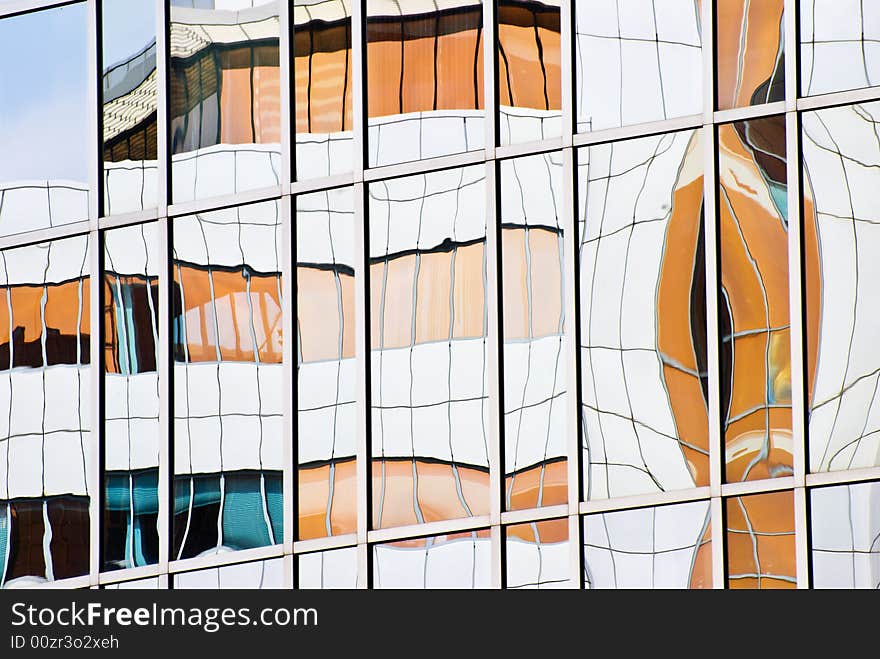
(753, 305)
(750, 60)
(844, 532)
(328, 570)
(533, 296)
(268, 574)
(131, 397)
(322, 72)
(225, 102)
(658, 547)
(128, 92)
(427, 236)
(644, 383)
(529, 70)
(537, 555)
(840, 45)
(425, 72)
(44, 116)
(327, 384)
(458, 560)
(228, 400)
(841, 165)
(45, 403)
(760, 541)
(637, 61)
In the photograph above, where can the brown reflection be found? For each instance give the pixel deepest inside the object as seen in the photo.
(760, 541)
(749, 53)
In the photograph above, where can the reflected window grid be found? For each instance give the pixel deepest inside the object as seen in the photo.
(229, 103)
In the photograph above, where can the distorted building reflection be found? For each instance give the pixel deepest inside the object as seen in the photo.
(750, 53)
(457, 560)
(225, 108)
(131, 397)
(651, 57)
(129, 104)
(840, 161)
(228, 401)
(654, 547)
(44, 115)
(45, 395)
(533, 331)
(644, 380)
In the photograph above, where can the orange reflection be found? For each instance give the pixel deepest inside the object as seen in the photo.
(753, 234)
(760, 541)
(437, 493)
(748, 43)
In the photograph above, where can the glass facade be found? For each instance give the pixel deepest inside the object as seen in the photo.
(463, 294)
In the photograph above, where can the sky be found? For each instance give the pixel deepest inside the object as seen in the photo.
(44, 116)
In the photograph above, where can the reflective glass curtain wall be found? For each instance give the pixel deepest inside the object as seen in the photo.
(472, 294)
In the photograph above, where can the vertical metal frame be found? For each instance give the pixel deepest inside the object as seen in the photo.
(363, 344)
(571, 244)
(495, 367)
(290, 435)
(490, 78)
(797, 316)
(165, 522)
(713, 284)
(288, 116)
(95, 370)
(359, 87)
